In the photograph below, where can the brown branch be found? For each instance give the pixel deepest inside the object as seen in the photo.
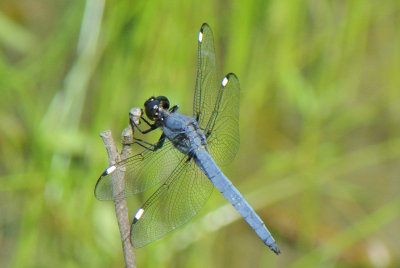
(121, 209)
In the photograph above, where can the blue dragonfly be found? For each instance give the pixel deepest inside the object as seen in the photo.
(184, 163)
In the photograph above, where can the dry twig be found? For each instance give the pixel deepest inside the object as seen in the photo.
(121, 209)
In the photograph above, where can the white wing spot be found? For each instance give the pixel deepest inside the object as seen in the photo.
(139, 214)
(110, 169)
(224, 81)
(200, 37)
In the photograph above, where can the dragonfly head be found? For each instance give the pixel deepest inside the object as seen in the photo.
(154, 105)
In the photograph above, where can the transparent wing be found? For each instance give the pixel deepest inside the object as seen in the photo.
(223, 129)
(216, 106)
(205, 93)
(141, 171)
(176, 201)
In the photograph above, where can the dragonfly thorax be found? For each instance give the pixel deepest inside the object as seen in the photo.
(154, 107)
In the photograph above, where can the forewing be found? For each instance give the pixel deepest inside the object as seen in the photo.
(205, 94)
(141, 171)
(223, 128)
(174, 203)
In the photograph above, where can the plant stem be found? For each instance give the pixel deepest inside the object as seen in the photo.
(121, 209)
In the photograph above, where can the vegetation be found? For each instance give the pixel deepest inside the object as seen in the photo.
(320, 134)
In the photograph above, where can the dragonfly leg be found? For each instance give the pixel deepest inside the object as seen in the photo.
(152, 126)
(174, 108)
(147, 145)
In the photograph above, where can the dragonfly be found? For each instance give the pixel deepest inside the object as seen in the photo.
(183, 165)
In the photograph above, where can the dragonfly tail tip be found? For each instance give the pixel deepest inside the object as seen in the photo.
(274, 247)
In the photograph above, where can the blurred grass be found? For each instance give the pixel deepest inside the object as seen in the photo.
(320, 144)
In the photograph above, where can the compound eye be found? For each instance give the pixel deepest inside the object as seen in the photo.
(165, 105)
(151, 108)
(164, 102)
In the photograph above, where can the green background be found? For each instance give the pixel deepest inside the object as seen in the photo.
(320, 148)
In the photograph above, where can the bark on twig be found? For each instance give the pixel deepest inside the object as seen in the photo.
(121, 209)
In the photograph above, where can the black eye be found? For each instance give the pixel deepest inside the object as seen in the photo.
(151, 108)
(165, 105)
(164, 102)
